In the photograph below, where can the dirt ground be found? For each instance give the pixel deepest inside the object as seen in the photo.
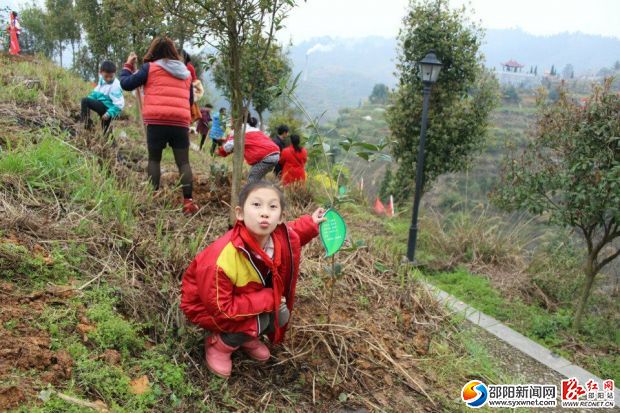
(26, 361)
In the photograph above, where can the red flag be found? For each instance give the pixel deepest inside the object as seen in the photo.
(379, 207)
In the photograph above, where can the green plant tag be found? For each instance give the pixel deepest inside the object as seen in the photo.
(342, 190)
(333, 232)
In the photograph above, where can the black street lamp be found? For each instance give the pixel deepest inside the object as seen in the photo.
(429, 69)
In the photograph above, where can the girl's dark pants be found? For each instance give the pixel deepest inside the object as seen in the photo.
(237, 339)
(89, 104)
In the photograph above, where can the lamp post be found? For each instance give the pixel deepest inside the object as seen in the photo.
(429, 69)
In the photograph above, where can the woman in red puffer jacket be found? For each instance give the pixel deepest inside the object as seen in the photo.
(166, 112)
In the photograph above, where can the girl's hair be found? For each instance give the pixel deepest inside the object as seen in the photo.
(186, 57)
(252, 121)
(253, 186)
(161, 48)
(295, 140)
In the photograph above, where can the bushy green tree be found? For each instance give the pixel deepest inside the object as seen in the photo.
(568, 72)
(37, 35)
(114, 28)
(461, 100)
(510, 94)
(4, 23)
(570, 174)
(61, 24)
(380, 94)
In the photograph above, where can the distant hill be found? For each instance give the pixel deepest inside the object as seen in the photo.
(341, 72)
(587, 53)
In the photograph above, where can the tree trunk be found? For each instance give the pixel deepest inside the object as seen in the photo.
(260, 120)
(237, 106)
(590, 271)
(60, 52)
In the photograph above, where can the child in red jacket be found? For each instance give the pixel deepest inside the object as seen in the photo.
(260, 151)
(293, 161)
(243, 284)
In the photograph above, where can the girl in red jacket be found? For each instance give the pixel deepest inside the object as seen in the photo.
(243, 284)
(166, 113)
(293, 160)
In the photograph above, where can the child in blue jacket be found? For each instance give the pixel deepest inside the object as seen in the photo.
(106, 99)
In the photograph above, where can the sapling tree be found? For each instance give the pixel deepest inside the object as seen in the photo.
(320, 154)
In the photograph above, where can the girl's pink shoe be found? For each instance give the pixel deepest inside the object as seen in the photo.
(218, 356)
(256, 349)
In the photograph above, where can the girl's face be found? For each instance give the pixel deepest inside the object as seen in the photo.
(261, 212)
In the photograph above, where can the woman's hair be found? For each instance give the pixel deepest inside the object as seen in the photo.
(253, 186)
(161, 48)
(295, 141)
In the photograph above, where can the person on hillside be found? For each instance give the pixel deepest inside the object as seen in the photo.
(106, 99)
(168, 96)
(242, 286)
(204, 123)
(196, 83)
(280, 140)
(293, 161)
(260, 151)
(218, 129)
(14, 30)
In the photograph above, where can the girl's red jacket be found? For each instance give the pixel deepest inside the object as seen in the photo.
(293, 165)
(223, 290)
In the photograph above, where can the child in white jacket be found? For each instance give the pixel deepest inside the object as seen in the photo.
(106, 99)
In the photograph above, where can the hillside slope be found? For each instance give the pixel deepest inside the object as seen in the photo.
(90, 267)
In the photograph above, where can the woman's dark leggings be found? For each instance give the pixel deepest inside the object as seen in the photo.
(157, 137)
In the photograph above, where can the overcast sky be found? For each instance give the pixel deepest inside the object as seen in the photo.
(359, 18)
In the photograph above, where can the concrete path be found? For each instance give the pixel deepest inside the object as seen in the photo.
(517, 340)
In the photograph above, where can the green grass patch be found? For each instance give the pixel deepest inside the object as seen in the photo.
(54, 169)
(551, 329)
(34, 269)
(47, 83)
